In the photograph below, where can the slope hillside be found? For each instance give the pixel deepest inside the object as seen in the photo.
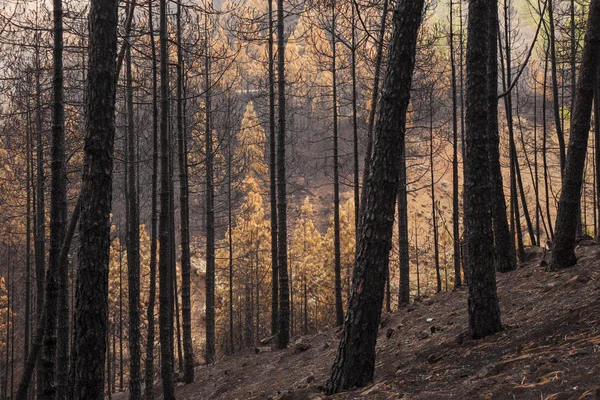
(550, 348)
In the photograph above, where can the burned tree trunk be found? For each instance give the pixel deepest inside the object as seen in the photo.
(403, 245)
(374, 99)
(283, 334)
(133, 243)
(505, 256)
(40, 213)
(58, 215)
(455, 193)
(165, 278)
(272, 184)
(339, 309)
(186, 306)
(555, 96)
(96, 194)
(210, 214)
(563, 254)
(484, 310)
(149, 363)
(436, 250)
(355, 361)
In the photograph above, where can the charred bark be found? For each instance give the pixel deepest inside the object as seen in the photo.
(96, 194)
(355, 361)
(563, 253)
(283, 334)
(484, 310)
(165, 274)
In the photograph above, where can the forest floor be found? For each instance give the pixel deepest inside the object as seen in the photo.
(550, 348)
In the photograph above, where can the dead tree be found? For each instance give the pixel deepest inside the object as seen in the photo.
(96, 192)
(355, 361)
(563, 253)
(484, 310)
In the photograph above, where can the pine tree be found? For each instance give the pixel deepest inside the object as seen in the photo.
(563, 254)
(188, 373)
(484, 311)
(283, 334)
(133, 242)
(306, 250)
(355, 361)
(250, 236)
(39, 220)
(273, 178)
(250, 153)
(504, 242)
(92, 282)
(403, 244)
(339, 309)
(58, 217)
(165, 276)
(455, 192)
(210, 212)
(149, 365)
(247, 240)
(347, 253)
